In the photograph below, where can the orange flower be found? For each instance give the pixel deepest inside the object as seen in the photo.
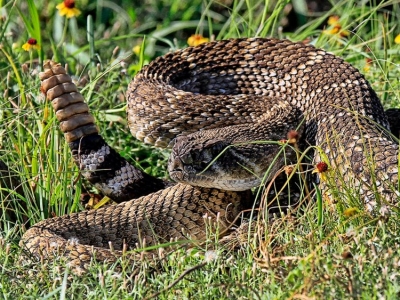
(67, 8)
(30, 44)
(197, 39)
(335, 27)
(321, 168)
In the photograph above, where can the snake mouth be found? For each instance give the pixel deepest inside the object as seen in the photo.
(218, 165)
(177, 175)
(191, 177)
(236, 185)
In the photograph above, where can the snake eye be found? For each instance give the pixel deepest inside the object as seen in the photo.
(210, 154)
(187, 159)
(206, 156)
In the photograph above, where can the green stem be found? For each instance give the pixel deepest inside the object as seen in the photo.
(64, 34)
(18, 77)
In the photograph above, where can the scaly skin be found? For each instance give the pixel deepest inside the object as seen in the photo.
(172, 213)
(98, 162)
(238, 82)
(236, 92)
(167, 212)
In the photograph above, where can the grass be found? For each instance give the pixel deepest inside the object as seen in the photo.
(316, 252)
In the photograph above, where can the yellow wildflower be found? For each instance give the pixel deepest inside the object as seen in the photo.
(333, 20)
(67, 8)
(368, 63)
(197, 39)
(397, 39)
(293, 136)
(30, 44)
(332, 31)
(335, 27)
(136, 50)
(321, 168)
(351, 211)
(344, 33)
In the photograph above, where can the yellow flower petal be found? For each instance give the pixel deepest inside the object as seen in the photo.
(26, 47)
(197, 39)
(332, 31)
(60, 6)
(136, 49)
(323, 177)
(397, 39)
(344, 33)
(333, 20)
(351, 211)
(73, 12)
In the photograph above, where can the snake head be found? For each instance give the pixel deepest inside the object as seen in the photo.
(189, 158)
(211, 158)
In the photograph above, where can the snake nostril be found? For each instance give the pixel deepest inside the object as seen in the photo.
(176, 169)
(175, 164)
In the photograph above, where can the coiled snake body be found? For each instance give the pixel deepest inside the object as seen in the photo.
(223, 99)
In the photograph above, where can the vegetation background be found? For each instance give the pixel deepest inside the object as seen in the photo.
(324, 251)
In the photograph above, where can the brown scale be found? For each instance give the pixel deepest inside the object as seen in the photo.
(176, 212)
(336, 101)
(245, 89)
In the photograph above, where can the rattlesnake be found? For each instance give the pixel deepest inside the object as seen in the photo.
(228, 98)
